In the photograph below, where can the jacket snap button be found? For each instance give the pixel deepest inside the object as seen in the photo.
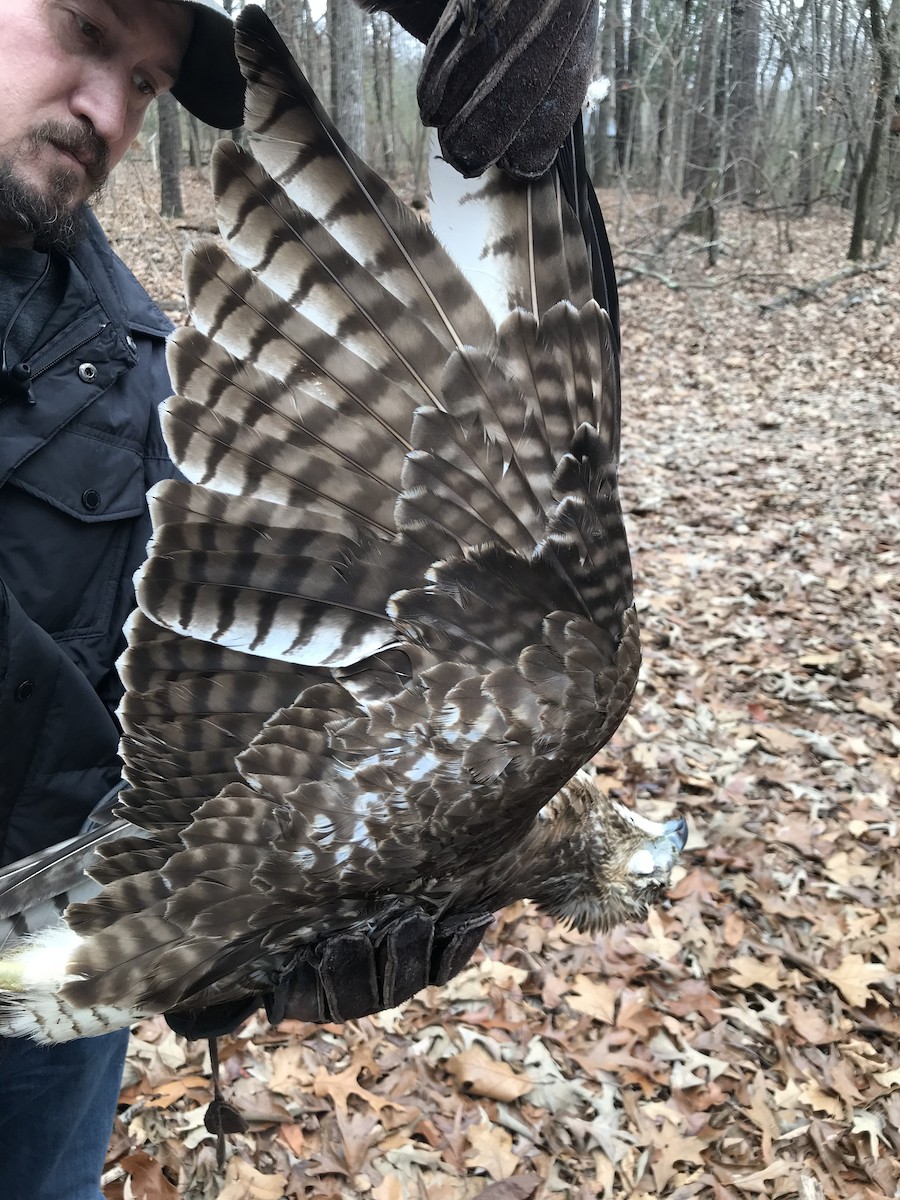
(91, 498)
(87, 372)
(24, 690)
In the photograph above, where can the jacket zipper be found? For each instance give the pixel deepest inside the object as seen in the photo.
(69, 350)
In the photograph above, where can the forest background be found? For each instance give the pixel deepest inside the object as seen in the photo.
(778, 105)
(746, 1041)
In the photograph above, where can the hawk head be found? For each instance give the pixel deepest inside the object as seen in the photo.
(618, 863)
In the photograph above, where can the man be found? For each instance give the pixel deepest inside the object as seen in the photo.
(82, 370)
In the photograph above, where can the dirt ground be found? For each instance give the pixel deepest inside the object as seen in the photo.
(745, 1042)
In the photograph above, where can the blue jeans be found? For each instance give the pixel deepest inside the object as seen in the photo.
(57, 1105)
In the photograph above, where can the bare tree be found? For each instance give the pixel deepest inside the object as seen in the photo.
(311, 50)
(885, 40)
(615, 16)
(171, 204)
(671, 117)
(705, 131)
(345, 25)
(382, 28)
(598, 142)
(769, 102)
(628, 72)
(744, 67)
(286, 19)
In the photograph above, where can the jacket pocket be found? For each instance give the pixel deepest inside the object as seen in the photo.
(68, 514)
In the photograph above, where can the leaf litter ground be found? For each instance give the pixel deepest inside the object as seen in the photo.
(745, 1041)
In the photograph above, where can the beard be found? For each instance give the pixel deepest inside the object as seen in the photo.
(53, 215)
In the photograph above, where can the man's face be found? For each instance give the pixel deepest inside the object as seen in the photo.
(76, 78)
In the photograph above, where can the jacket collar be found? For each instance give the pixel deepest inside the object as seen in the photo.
(117, 289)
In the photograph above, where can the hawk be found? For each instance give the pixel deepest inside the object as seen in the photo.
(387, 615)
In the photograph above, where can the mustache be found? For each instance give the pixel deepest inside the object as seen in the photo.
(79, 140)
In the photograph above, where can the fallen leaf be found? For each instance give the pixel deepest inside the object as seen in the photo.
(244, 1182)
(166, 1094)
(657, 945)
(491, 1150)
(844, 870)
(146, 1177)
(675, 1149)
(597, 1000)
(344, 1084)
(748, 972)
(809, 1023)
(779, 739)
(854, 978)
(522, 1187)
(815, 1097)
(872, 1125)
(482, 1075)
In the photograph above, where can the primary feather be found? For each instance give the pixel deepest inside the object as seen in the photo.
(389, 615)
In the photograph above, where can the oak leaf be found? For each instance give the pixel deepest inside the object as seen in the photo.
(340, 1086)
(676, 1149)
(146, 1177)
(816, 1098)
(244, 1182)
(482, 1075)
(491, 1150)
(522, 1187)
(747, 972)
(657, 945)
(597, 1000)
(168, 1093)
(809, 1023)
(854, 978)
(871, 1124)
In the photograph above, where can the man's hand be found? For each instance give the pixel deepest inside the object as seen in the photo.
(352, 974)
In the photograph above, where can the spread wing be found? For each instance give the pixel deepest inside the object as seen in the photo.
(389, 613)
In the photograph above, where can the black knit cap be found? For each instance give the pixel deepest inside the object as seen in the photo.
(210, 84)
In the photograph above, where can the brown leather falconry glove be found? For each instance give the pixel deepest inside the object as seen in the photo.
(502, 80)
(352, 974)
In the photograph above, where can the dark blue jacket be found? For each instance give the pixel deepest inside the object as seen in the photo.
(74, 470)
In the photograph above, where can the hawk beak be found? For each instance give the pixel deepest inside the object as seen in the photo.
(657, 857)
(677, 833)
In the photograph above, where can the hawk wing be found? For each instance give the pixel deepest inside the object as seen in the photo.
(389, 614)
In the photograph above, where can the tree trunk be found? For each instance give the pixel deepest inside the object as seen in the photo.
(632, 94)
(195, 155)
(604, 115)
(811, 152)
(285, 19)
(622, 84)
(311, 49)
(382, 59)
(671, 112)
(169, 156)
(702, 163)
(884, 38)
(348, 106)
(745, 20)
